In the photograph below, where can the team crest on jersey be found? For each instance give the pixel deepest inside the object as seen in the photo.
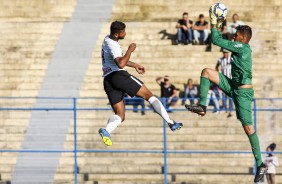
(238, 45)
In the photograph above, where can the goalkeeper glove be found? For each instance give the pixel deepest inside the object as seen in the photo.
(213, 18)
(219, 23)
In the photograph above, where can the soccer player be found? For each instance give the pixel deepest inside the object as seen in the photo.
(239, 88)
(118, 81)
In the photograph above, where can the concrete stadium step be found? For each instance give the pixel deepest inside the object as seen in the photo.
(180, 145)
(158, 130)
(124, 182)
(157, 122)
(127, 177)
(214, 178)
(142, 137)
(207, 161)
(157, 169)
(114, 179)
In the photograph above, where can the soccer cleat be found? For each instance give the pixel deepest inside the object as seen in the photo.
(198, 109)
(105, 136)
(261, 170)
(175, 126)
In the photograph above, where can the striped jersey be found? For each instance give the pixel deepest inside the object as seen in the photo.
(225, 65)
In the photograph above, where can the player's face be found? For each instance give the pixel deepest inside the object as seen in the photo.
(185, 17)
(121, 34)
(238, 37)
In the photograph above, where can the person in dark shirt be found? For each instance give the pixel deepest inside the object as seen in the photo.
(201, 30)
(184, 30)
(168, 90)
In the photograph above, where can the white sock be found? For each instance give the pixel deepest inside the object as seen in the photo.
(113, 123)
(159, 108)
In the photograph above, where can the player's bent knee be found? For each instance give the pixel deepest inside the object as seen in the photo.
(205, 72)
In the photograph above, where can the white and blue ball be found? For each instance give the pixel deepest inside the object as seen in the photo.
(220, 10)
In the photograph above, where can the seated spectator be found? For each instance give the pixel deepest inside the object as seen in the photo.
(190, 91)
(201, 30)
(135, 102)
(168, 90)
(184, 30)
(224, 64)
(231, 29)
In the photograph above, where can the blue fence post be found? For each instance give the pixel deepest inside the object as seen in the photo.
(75, 141)
(255, 127)
(165, 144)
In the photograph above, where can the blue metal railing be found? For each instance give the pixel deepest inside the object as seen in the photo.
(165, 152)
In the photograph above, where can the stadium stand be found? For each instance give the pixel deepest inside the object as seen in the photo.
(151, 24)
(29, 33)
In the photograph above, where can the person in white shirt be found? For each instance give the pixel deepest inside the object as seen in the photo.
(231, 29)
(118, 81)
(271, 162)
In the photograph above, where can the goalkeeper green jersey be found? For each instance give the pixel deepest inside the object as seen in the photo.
(241, 66)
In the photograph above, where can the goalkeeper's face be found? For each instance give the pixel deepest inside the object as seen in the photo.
(239, 37)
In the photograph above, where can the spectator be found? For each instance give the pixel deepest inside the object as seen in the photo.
(190, 91)
(271, 161)
(135, 102)
(201, 30)
(212, 97)
(168, 90)
(224, 63)
(231, 29)
(184, 30)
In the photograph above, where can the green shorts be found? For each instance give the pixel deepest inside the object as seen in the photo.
(242, 99)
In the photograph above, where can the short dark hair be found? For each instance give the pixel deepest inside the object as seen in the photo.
(185, 13)
(235, 14)
(117, 27)
(245, 30)
(201, 16)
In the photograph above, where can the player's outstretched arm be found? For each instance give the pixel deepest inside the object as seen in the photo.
(122, 61)
(226, 44)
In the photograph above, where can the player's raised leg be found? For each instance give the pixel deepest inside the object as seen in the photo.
(208, 75)
(113, 122)
(145, 93)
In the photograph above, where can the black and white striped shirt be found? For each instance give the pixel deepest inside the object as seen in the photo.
(225, 65)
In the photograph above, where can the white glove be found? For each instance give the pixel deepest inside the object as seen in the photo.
(213, 18)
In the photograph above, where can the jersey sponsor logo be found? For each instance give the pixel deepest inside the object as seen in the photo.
(239, 45)
(107, 70)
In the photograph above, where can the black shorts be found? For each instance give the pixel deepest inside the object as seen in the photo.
(120, 82)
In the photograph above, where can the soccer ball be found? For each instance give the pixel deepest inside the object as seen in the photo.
(220, 10)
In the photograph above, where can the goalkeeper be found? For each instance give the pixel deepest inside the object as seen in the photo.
(239, 88)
